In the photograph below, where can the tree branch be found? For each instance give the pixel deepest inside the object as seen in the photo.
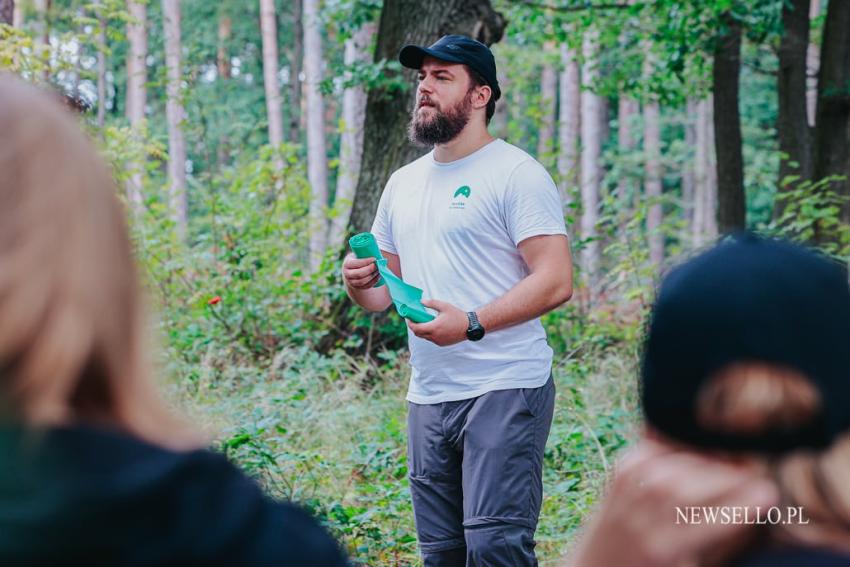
(579, 8)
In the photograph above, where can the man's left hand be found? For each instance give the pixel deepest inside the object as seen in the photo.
(447, 329)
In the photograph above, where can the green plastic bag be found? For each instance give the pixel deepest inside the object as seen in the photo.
(406, 298)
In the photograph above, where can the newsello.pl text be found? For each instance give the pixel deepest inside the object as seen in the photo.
(740, 515)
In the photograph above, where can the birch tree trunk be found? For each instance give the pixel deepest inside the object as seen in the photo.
(317, 160)
(569, 122)
(652, 182)
(101, 72)
(548, 104)
(812, 66)
(296, 58)
(591, 129)
(731, 211)
(224, 69)
(42, 34)
(627, 109)
(174, 114)
(268, 26)
(351, 143)
(222, 58)
(688, 167)
(652, 172)
(705, 190)
(136, 97)
(18, 15)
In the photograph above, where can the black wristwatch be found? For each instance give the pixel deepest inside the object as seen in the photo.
(475, 332)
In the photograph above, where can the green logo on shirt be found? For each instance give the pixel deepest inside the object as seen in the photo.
(465, 191)
(459, 203)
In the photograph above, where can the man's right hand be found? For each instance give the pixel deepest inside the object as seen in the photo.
(359, 273)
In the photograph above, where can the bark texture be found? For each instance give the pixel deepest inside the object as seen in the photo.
(731, 211)
(317, 159)
(792, 124)
(351, 142)
(175, 115)
(568, 123)
(274, 112)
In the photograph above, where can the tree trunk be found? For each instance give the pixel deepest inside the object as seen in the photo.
(268, 26)
(7, 12)
(569, 121)
(499, 123)
(18, 17)
(627, 108)
(101, 72)
(385, 145)
(351, 144)
(812, 66)
(136, 96)
(548, 102)
(42, 35)
(295, 59)
(688, 182)
(832, 134)
(317, 159)
(591, 148)
(792, 123)
(174, 113)
(731, 211)
(222, 58)
(224, 68)
(705, 183)
(652, 182)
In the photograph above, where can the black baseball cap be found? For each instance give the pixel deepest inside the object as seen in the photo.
(749, 299)
(456, 49)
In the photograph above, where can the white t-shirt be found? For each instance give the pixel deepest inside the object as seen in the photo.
(455, 228)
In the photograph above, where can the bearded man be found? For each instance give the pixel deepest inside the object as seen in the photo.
(477, 224)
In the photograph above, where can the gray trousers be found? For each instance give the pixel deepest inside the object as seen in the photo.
(476, 476)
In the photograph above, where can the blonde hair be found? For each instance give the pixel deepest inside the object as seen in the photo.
(753, 397)
(72, 344)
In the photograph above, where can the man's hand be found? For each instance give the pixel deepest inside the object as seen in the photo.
(359, 273)
(447, 329)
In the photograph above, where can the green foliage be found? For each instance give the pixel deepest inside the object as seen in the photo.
(812, 214)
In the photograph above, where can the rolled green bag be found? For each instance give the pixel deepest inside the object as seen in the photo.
(364, 245)
(406, 298)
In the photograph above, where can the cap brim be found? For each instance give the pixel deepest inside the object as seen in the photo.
(411, 56)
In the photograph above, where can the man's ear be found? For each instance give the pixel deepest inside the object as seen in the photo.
(482, 96)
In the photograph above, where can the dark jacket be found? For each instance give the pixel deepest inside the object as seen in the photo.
(85, 496)
(796, 557)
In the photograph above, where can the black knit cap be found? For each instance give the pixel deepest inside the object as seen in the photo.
(749, 299)
(456, 49)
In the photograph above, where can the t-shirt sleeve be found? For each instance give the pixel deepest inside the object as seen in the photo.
(382, 227)
(532, 205)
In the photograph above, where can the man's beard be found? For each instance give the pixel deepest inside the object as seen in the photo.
(441, 127)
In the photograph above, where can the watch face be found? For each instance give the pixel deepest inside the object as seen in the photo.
(475, 334)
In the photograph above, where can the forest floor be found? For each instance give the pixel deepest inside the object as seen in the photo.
(310, 429)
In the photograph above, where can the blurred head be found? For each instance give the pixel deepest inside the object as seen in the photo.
(71, 324)
(747, 354)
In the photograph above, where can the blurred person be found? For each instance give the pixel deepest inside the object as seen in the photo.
(95, 469)
(746, 392)
(477, 223)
